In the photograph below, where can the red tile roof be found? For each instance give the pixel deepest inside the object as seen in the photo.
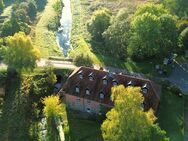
(96, 86)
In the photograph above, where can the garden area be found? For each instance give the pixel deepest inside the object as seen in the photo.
(82, 127)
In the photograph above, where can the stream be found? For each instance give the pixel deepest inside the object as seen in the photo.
(64, 31)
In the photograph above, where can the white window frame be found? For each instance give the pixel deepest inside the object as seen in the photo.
(101, 95)
(87, 92)
(77, 89)
(104, 81)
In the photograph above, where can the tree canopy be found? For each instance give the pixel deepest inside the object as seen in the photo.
(179, 7)
(1, 5)
(21, 54)
(117, 35)
(127, 121)
(52, 107)
(99, 23)
(153, 32)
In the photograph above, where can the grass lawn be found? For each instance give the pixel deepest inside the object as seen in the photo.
(44, 39)
(186, 117)
(170, 115)
(82, 129)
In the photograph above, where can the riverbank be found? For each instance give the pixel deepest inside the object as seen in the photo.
(43, 38)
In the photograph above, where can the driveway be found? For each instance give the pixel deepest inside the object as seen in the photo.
(179, 77)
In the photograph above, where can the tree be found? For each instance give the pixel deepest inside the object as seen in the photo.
(32, 10)
(151, 35)
(53, 109)
(9, 28)
(183, 39)
(1, 5)
(21, 54)
(117, 35)
(127, 121)
(99, 23)
(179, 7)
(83, 60)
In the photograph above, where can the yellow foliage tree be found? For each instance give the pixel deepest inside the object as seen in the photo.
(127, 121)
(52, 107)
(21, 54)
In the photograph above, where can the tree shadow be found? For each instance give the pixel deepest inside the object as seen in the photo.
(15, 121)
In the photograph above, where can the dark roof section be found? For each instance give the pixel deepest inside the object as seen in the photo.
(96, 86)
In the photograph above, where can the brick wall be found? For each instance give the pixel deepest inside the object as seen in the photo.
(82, 104)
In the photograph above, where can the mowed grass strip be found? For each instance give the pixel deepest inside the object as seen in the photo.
(44, 39)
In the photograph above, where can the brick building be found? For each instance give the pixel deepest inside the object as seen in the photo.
(88, 89)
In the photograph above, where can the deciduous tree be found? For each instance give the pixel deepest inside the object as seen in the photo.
(127, 121)
(117, 35)
(52, 110)
(153, 32)
(99, 23)
(21, 54)
(1, 5)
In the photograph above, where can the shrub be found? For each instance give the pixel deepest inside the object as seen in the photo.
(53, 24)
(183, 39)
(83, 60)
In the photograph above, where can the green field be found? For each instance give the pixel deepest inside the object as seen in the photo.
(44, 39)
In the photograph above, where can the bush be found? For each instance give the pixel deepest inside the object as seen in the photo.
(53, 24)
(175, 90)
(83, 60)
(182, 24)
(183, 39)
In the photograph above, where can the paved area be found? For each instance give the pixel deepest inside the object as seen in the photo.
(179, 77)
(46, 62)
(56, 64)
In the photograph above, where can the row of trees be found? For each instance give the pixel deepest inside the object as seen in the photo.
(151, 31)
(23, 14)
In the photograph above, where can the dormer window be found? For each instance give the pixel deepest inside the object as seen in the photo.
(145, 89)
(104, 80)
(91, 76)
(130, 83)
(87, 91)
(80, 73)
(115, 83)
(101, 95)
(77, 89)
